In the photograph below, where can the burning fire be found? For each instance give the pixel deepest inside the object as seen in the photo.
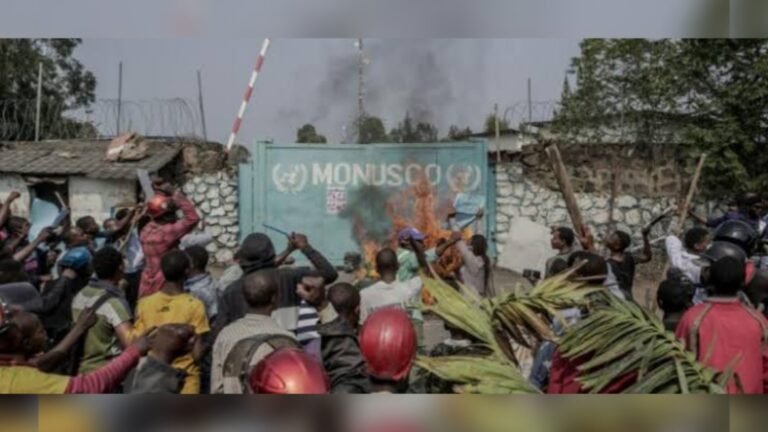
(418, 207)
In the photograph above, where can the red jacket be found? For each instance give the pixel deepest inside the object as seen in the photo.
(563, 374)
(157, 239)
(729, 329)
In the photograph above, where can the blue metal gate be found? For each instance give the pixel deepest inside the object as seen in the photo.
(341, 195)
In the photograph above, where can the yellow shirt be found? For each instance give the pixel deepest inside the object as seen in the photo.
(161, 308)
(29, 380)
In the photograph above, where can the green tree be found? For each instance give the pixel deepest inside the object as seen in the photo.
(408, 131)
(707, 95)
(66, 85)
(307, 134)
(490, 123)
(456, 133)
(372, 131)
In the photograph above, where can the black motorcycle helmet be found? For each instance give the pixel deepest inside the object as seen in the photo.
(738, 233)
(721, 249)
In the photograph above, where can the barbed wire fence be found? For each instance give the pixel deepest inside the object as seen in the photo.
(175, 117)
(521, 113)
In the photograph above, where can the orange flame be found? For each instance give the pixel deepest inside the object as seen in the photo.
(416, 206)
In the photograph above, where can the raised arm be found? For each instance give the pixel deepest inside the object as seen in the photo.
(22, 254)
(121, 225)
(49, 361)
(5, 211)
(440, 250)
(647, 254)
(284, 255)
(189, 219)
(112, 374)
(420, 257)
(323, 267)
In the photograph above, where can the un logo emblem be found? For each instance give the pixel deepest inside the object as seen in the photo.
(289, 179)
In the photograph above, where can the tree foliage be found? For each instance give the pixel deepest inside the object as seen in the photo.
(307, 134)
(703, 95)
(490, 123)
(410, 131)
(66, 84)
(373, 131)
(456, 133)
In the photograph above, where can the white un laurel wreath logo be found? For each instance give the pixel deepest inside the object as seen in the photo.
(293, 178)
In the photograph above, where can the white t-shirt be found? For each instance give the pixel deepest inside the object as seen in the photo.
(382, 294)
(682, 259)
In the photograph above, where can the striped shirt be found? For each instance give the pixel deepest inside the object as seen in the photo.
(306, 327)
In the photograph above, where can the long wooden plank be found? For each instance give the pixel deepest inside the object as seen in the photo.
(691, 193)
(566, 188)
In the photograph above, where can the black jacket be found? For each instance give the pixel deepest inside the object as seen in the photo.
(56, 313)
(342, 358)
(232, 304)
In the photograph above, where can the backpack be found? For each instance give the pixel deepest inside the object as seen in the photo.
(238, 362)
(77, 352)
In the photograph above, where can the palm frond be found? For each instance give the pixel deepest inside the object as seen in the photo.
(486, 375)
(622, 339)
(536, 310)
(494, 323)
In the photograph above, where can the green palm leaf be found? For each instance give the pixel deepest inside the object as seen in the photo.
(518, 317)
(478, 374)
(622, 339)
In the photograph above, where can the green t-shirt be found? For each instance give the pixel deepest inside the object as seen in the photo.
(101, 343)
(409, 264)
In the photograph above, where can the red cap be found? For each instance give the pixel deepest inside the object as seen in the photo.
(289, 371)
(388, 344)
(158, 205)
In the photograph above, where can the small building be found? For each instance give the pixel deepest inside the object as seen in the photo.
(79, 173)
(510, 141)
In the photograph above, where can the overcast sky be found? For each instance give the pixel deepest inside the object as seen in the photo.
(446, 81)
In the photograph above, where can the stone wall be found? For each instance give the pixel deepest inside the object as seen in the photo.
(216, 197)
(518, 196)
(526, 188)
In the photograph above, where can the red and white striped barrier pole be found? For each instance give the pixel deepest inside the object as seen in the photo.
(248, 93)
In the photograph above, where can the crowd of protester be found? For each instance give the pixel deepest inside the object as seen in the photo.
(131, 306)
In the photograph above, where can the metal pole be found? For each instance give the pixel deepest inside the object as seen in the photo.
(39, 100)
(498, 134)
(530, 105)
(360, 90)
(119, 96)
(200, 101)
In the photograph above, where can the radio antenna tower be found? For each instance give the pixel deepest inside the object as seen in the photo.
(360, 89)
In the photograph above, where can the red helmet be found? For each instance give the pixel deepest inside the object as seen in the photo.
(289, 371)
(159, 205)
(388, 344)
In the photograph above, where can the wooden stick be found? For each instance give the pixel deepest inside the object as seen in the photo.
(60, 199)
(652, 305)
(566, 189)
(614, 192)
(691, 193)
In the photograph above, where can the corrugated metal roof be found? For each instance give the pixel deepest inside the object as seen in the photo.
(84, 158)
